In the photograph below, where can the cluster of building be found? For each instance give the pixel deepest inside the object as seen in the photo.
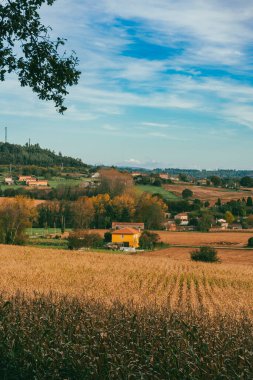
(181, 223)
(164, 176)
(26, 180)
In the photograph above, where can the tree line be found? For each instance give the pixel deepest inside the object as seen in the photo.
(35, 155)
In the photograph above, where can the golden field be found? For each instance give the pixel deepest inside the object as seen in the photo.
(229, 238)
(226, 238)
(166, 277)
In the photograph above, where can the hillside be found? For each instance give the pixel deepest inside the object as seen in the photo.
(34, 155)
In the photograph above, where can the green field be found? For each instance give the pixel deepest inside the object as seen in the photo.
(5, 187)
(58, 181)
(54, 182)
(44, 231)
(157, 190)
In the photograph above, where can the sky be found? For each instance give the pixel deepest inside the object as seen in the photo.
(165, 83)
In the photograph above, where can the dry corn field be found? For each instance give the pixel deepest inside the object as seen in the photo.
(164, 278)
(86, 315)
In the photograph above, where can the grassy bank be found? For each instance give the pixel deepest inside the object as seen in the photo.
(168, 195)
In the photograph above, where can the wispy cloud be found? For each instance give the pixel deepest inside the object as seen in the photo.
(159, 69)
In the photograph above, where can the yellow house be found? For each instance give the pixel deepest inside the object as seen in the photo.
(127, 237)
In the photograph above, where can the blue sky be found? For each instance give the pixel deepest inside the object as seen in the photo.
(164, 83)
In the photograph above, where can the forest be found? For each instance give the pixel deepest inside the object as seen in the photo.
(33, 154)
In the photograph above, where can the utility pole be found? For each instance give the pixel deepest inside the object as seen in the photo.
(5, 134)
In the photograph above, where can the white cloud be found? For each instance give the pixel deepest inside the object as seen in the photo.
(155, 125)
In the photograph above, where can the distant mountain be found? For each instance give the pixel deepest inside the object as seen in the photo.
(222, 173)
(35, 155)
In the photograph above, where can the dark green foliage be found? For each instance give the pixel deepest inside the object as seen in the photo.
(205, 223)
(206, 254)
(187, 193)
(183, 177)
(250, 242)
(81, 239)
(148, 240)
(247, 181)
(216, 181)
(249, 202)
(46, 338)
(107, 237)
(34, 155)
(40, 63)
(157, 182)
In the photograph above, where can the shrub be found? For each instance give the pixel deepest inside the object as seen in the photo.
(149, 240)
(187, 193)
(107, 237)
(81, 239)
(250, 242)
(206, 254)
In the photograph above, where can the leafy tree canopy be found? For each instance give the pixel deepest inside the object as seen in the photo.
(187, 193)
(27, 50)
(247, 181)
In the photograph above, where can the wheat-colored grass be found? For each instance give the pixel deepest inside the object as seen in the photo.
(180, 283)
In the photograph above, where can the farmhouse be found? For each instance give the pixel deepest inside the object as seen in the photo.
(8, 181)
(96, 175)
(174, 178)
(25, 178)
(202, 182)
(164, 176)
(183, 217)
(126, 237)
(37, 183)
(170, 225)
(222, 223)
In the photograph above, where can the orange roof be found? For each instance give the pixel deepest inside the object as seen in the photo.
(125, 231)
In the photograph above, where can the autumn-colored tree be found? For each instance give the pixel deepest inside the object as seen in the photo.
(114, 183)
(16, 215)
(150, 210)
(250, 220)
(103, 210)
(123, 207)
(229, 217)
(83, 213)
